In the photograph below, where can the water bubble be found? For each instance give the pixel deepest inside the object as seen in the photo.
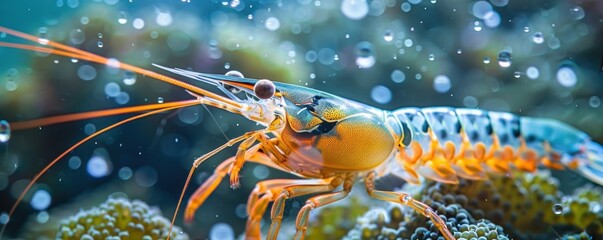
(566, 76)
(517, 74)
(480, 9)
(98, 167)
(554, 43)
(486, 60)
(4, 218)
(364, 54)
(159, 100)
(100, 35)
(405, 7)
(43, 35)
(272, 24)
(86, 72)
(594, 101)
(129, 78)
(354, 9)
(112, 89)
(311, 56)
(470, 102)
(408, 42)
(477, 26)
(221, 231)
(459, 51)
(532, 72)
(433, 1)
(146, 176)
(189, 115)
(234, 73)
(577, 13)
(499, 3)
(441, 83)
(492, 19)
(163, 19)
(113, 63)
(241, 210)
(42, 217)
(77, 36)
(398, 76)
(125, 173)
(431, 57)
(504, 58)
(122, 18)
(138, 23)
(381, 94)
(41, 200)
(4, 131)
(526, 29)
(388, 36)
(260, 172)
(122, 98)
(100, 44)
(557, 209)
(75, 162)
(537, 38)
(89, 129)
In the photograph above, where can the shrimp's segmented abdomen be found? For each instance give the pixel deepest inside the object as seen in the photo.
(442, 143)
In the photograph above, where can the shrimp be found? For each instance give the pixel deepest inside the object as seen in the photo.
(332, 142)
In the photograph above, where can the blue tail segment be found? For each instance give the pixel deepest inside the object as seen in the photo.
(592, 165)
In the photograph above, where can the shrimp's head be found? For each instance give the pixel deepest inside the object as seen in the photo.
(319, 129)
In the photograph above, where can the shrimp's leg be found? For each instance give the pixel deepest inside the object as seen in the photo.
(406, 199)
(201, 194)
(240, 159)
(270, 190)
(278, 208)
(301, 223)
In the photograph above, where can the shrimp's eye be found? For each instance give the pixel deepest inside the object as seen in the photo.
(264, 89)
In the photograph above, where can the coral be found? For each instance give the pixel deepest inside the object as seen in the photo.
(118, 218)
(397, 223)
(523, 203)
(335, 221)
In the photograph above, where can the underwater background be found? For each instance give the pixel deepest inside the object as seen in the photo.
(539, 58)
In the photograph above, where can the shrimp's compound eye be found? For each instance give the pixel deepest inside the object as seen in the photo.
(264, 89)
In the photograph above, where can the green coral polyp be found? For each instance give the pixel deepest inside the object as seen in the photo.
(118, 218)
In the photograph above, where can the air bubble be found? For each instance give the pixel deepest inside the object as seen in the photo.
(577, 13)
(122, 18)
(100, 44)
(398, 76)
(125, 173)
(477, 26)
(566, 76)
(41, 200)
(77, 36)
(388, 36)
(129, 77)
(381, 94)
(504, 59)
(4, 218)
(260, 172)
(112, 89)
(234, 73)
(594, 101)
(532, 72)
(517, 74)
(75, 162)
(4, 131)
(431, 57)
(272, 24)
(221, 231)
(86, 72)
(441, 83)
(537, 38)
(364, 55)
(486, 60)
(43, 35)
(557, 209)
(354, 9)
(159, 100)
(98, 167)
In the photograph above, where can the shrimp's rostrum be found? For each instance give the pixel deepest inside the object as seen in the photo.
(331, 142)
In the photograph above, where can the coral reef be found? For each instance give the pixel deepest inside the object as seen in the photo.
(524, 205)
(119, 218)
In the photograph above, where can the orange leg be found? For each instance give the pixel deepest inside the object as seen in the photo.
(278, 208)
(406, 199)
(301, 223)
(201, 194)
(270, 189)
(240, 159)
